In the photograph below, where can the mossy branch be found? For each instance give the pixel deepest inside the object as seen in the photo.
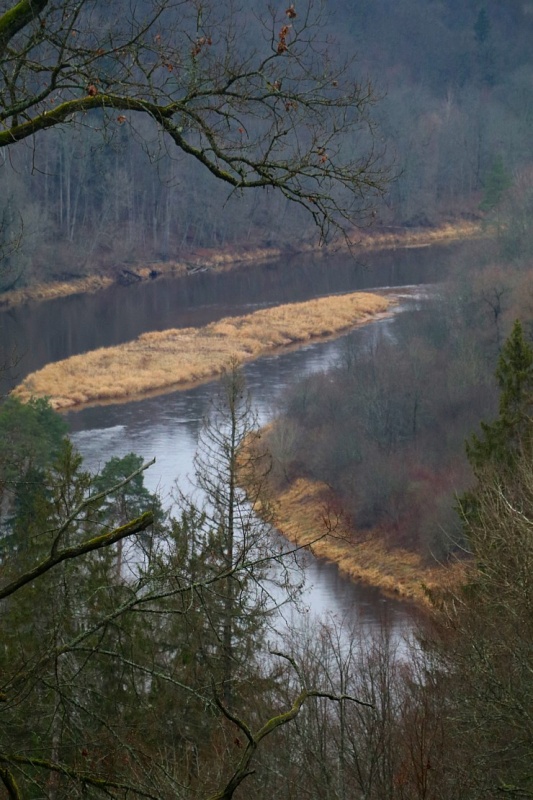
(17, 18)
(90, 545)
(243, 770)
(57, 555)
(93, 500)
(81, 776)
(9, 782)
(62, 112)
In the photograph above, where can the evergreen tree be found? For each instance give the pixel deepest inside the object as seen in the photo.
(496, 184)
(234, 531)
(482, 26)
(31, 438)
(511, 433)
(487, 642)
(130, 499)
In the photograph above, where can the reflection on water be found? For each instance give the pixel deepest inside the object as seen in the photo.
(50, 331)
(167, 427)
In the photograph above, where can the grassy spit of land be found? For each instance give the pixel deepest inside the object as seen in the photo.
(304, 515)
(226, 258)
(162, 361)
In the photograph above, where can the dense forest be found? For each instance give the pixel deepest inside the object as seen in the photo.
(450, 100)
(385, 428)
(140, 657)
(141, 653)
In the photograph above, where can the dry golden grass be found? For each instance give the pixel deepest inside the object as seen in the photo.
(300, 512)
(212, 259)
(223, 259)
(423, 237)
(162, 361)
(54, 290)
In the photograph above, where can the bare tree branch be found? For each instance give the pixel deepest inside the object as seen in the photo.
(242, 771)
(81, 776)
(279, 114)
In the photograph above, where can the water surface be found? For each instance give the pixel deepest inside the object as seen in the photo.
(167, 426)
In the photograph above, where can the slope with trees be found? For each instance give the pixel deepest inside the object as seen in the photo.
(133, 650)
(451, 717)
(254, 97)
(483, 642)
(385, 428)
(142, 683)
(454, 88)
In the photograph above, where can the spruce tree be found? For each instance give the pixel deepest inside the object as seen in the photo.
(487, 623)
(512, 432)
(235, 532)
(496, 184)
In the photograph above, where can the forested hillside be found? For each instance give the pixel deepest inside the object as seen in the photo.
(452, 83)
(145, 651)
(384, 428)
(138, 657)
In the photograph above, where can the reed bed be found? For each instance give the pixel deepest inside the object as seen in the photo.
(223, 259)
(54, 290)
(424, 237)
(301, 510)
(167, 360)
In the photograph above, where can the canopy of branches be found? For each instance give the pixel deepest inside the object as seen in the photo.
(259, 100)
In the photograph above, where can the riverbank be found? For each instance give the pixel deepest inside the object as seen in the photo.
(305, 517)
(164, 361)
(226, 258)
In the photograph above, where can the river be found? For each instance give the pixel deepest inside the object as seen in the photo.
(167, 426)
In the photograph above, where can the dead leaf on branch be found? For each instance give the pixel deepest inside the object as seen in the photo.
(200, 44)
(282, 36)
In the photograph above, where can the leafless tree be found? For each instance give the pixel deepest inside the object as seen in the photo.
(257, 98)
